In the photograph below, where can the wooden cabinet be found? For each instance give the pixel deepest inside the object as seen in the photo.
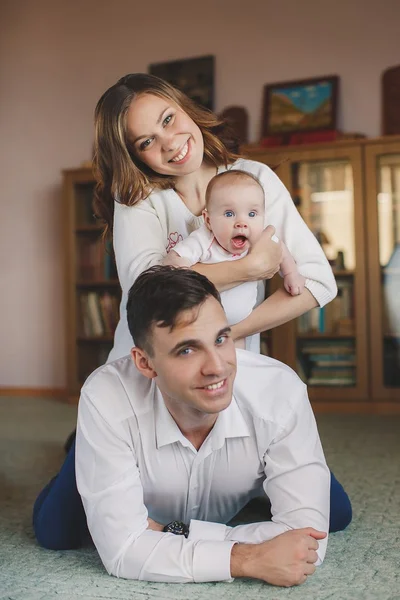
(92, 288)
(382, 190)
(348, 194)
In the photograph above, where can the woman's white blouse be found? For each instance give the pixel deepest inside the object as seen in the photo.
(145, 233)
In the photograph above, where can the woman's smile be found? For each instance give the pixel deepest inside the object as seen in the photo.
(183, 153)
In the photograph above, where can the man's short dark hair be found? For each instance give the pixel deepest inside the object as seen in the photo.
(159, 295)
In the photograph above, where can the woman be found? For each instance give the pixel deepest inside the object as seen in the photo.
(155, 152)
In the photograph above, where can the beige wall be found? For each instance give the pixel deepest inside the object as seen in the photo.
(56, 58)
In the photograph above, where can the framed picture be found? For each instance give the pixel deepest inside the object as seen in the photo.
(194, 76)
(300, 106)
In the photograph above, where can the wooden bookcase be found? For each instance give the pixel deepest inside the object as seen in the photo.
(382, 192)
(92, 288)
(348, 192)
(343, 352)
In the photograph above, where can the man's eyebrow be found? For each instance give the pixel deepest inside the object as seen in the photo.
(195, 342)
(157, 123)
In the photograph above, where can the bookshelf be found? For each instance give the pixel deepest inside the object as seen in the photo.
(348, 193)
(92, 288)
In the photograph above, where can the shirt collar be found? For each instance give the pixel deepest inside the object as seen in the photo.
(230, 424)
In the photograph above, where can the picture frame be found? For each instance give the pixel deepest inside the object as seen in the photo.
(305, 105)
(193, 76)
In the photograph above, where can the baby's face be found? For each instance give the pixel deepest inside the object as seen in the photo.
(235, 214)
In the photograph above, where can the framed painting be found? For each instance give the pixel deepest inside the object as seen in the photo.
(194, 76)
(300, 106)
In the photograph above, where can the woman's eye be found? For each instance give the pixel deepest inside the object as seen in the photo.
(220, 339)
(229, 213)
(146, 143)
(252, 213)
(167, 120)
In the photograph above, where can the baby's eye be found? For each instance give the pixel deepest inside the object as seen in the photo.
(146, 143)
(252, 213)
(229, 213)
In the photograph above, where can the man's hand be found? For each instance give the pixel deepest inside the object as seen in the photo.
(285, 560)
(154, 525)
(264, 257)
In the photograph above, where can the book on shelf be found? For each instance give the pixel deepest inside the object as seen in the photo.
(339, 381)
(94, 260)
(84, 205)
(99, 314)
(94, 313)
(323, 362)
(264, 347)
(337, 317)
(328, 347)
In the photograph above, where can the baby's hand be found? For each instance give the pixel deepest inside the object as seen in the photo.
(294, 283)
(174, 260)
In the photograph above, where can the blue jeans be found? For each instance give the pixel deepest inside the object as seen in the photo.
(59, 520)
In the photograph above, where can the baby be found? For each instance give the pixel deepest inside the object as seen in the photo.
(234, 219)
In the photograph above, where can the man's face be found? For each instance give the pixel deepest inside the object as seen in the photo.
(196, 361)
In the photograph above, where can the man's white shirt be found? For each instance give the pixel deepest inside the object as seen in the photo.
(133, 462)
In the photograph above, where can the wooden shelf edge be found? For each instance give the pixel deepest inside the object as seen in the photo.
(98, 283)
(354, 407)
(95, 339)
(315, 335)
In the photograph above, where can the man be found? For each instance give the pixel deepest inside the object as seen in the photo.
(173, 441)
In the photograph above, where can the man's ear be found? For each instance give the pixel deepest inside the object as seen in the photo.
(143, 362)
(206, 218)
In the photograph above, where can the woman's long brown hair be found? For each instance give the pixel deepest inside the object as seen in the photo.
(120, 176)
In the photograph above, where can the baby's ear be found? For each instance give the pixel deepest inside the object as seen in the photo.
(206, 218)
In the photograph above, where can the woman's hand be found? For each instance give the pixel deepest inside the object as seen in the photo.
(265, 256)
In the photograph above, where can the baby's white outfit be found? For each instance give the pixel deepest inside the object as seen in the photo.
(202, 246)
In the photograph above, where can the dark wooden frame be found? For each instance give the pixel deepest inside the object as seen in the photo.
(271, 87)
(190, 69)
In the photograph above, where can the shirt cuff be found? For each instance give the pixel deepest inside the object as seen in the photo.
(319, 291)
(205, 530)
(212, 561)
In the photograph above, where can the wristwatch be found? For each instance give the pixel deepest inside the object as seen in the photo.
(177, 528)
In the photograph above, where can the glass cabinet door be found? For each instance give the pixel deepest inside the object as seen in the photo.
(383, 168)
(330, 341)
(326, 341)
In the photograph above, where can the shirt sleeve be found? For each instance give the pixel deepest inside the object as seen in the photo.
(139, 241)
(108, 480)
(293, 231)
(297, 484)
(195, 248)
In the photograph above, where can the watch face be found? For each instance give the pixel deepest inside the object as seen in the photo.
(177, 528)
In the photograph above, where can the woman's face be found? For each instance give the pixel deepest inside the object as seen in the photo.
(163, 136)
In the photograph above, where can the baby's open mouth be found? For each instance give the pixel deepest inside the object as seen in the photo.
(239, 241)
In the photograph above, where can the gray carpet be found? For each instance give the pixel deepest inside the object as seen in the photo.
(361, 563)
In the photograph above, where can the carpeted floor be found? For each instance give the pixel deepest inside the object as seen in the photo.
(361, 563)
